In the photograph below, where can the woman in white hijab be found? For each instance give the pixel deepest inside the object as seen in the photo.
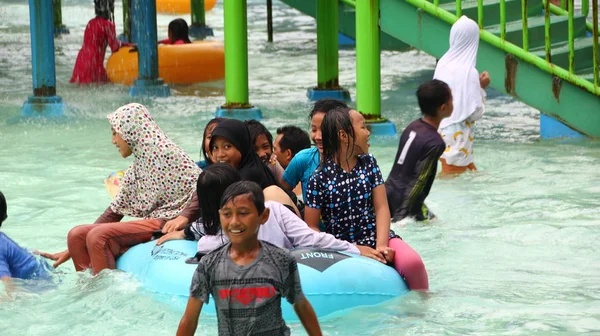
(457, 69)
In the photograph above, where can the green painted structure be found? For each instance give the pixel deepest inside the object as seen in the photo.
(549, 62)
(368, 62)
(346, 21)
(59, 27)
(524, 75)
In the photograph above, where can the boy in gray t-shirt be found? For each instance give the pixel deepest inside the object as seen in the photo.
(247, 277)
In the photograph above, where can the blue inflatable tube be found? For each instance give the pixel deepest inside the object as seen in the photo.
(331, 281)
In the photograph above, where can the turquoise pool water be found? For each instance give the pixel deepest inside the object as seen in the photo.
(514, 251)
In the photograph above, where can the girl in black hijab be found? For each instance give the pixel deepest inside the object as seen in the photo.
(234, 133)
(230, 143)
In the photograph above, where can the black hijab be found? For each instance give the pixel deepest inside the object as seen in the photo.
(251, 167)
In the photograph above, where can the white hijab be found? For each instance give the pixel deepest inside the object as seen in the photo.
(457, 69)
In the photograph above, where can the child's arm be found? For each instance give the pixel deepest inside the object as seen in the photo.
(382, 221)
(312, 216)
(189, 321)
(314, 201)
(292, 291)
(199, 293)
(6, 276)
(299, 234)
(59, 257)
(113, 42)
(188, 215)
(276, 168)
(9, 287)
(175, 224)
(382, 215)
(292, 174)
(175, 235)
(109, 216)
(307, 316)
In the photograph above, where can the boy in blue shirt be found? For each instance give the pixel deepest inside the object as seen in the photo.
(15, 261)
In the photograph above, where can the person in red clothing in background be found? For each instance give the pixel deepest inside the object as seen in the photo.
(99, 33)
(178, 33)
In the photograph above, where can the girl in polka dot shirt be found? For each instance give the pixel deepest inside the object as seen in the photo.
(348, 194)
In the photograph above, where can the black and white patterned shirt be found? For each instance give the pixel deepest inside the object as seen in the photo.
(346, 200)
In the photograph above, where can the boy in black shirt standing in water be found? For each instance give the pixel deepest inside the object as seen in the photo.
(420, 148)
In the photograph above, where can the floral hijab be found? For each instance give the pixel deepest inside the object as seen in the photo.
(162, 179)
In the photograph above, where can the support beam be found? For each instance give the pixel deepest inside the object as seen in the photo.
(44, 101)
(198, 28)
(127, 34)
(368, 76)
(270, 21)
(327, 54)
(59, 27)
(236, 63)
(144, 28)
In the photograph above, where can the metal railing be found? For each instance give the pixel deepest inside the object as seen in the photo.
(591, 27)
(523, 53)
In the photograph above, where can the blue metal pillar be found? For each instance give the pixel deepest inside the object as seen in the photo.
(144, 30)
(44, 101)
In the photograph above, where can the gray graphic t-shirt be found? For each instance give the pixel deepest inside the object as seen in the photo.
(248, 298)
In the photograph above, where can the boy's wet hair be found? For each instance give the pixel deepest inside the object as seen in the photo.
(211, 185)
(3, 209)
(431, 95)
(213, 121)
(179, 30)
(335, 121)
(325, 105)
(294, 138)
(249, 188)
(256, 129)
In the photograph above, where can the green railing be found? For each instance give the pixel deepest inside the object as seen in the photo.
(523, 52)
(590, 27)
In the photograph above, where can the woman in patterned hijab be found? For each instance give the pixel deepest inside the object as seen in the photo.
(158, 186)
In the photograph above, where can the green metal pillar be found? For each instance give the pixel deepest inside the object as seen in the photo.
(368, 76)
(327, 53)
(236, 63)
(59, 27)
(327, 45)
(198, 28)
(127, 32)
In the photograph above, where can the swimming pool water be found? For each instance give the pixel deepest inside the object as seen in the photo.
(514, 251)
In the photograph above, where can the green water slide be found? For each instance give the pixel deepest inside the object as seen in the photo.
(539, 53)
(347, 20)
